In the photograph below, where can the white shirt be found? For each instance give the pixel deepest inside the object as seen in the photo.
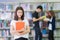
(13, 22)
(50, 25)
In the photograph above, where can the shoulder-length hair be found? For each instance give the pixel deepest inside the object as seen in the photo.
(15, 16)
(52, 13)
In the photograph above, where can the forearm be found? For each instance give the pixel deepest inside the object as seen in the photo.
(25, 31)
(38, 19)
(34, 20)
(14, 32)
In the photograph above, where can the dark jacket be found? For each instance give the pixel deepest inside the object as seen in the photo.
(53, 23)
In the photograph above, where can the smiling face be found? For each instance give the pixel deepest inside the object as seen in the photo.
(19, 13)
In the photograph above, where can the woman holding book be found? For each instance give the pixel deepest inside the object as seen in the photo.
(51, 24)
(19, 26)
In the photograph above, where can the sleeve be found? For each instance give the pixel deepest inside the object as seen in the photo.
(27, 23)
(12, 23)
(33, 15)
(54, 23)
(49, 21)
(42, 14)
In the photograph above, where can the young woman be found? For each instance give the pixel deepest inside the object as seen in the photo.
(18, 21)
(51, 24)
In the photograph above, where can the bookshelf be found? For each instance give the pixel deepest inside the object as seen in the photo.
(7, 12)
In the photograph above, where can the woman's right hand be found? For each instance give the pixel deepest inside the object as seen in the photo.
(46, 19)
(22, 30)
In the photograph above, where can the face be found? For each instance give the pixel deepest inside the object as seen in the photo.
(38, 10)
(49, 14)
(19, 13)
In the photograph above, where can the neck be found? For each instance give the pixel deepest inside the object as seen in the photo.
(19, 18)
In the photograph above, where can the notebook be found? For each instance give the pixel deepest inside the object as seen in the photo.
(20, 25)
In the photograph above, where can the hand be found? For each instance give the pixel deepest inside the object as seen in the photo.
(21, 30)
(18, 33)
(14, 32)
(40, 18)
(22, 33)
(46, 19)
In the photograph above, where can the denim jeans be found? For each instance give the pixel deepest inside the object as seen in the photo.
(38, 34)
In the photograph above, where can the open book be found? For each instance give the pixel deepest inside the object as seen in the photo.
(20, 26)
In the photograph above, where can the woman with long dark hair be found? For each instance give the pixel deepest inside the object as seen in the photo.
(19, 26)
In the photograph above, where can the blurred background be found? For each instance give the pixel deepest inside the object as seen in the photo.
(7, 9)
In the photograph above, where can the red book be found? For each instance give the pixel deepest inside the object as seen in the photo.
(20, 25)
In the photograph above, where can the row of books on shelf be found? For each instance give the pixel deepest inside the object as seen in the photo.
(44, 32)
(6, 39)
(57, 24)
(4, 23)
(9, 7)
(28, 15)
(57, 15)
(4, 33)
(6, 15)
(10, 15)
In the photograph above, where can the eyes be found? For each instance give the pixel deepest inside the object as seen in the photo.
(19, 11)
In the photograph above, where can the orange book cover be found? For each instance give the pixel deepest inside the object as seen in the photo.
(20, 25)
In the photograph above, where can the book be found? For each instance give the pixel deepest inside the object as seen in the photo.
(44, 5)
(0, 33)
(26, 7)
(15, 6)
(9, 7)
(29, 15)
(20, 26)
(2, 6)
(56, 6)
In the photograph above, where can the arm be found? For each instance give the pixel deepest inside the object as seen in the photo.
(26, 31)
(34, 19)
(40, 18)
(12, 31)
(54, 21)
